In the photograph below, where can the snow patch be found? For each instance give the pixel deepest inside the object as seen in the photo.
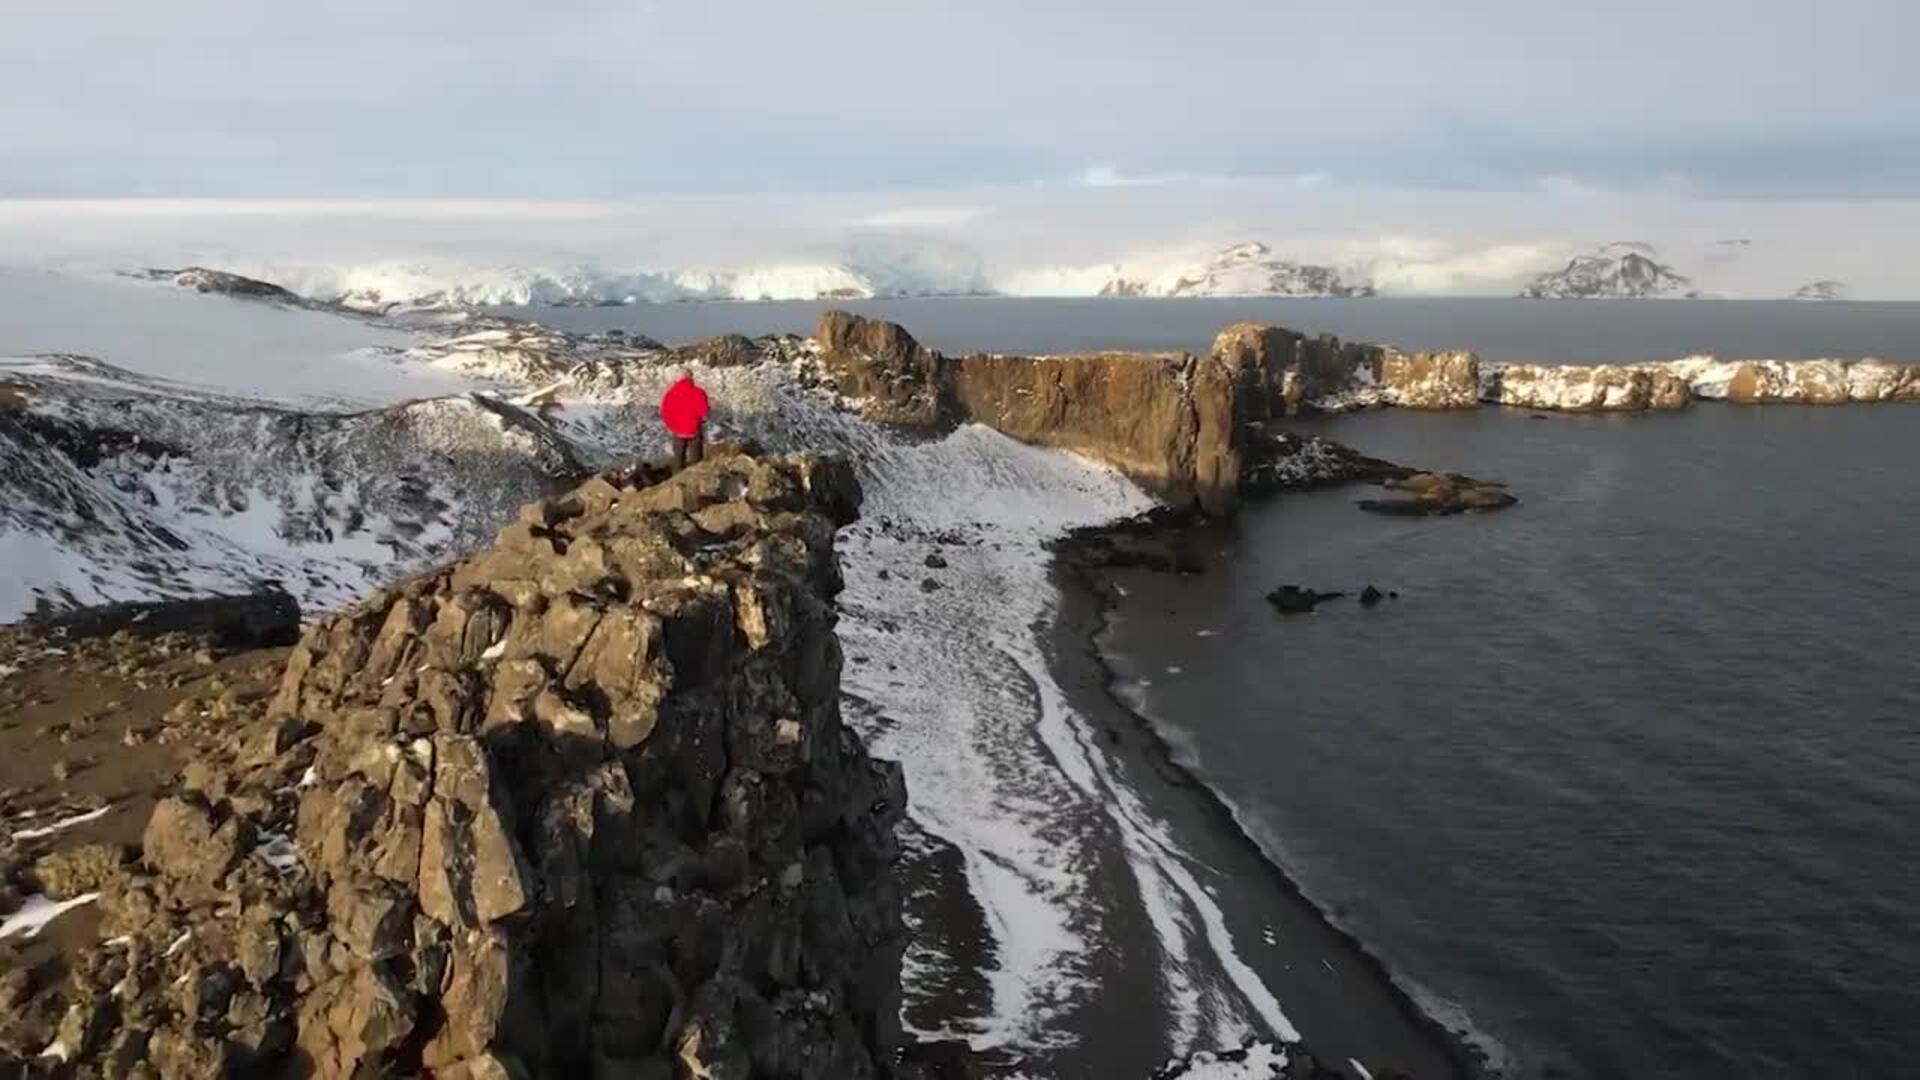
(36, 912)
(63, 824)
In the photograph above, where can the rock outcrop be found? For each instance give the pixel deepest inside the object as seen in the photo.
(225, 283)
(1166, 420)
(580, 805)
(1820, 382)
(1675, 384)
(1597, 388)
(895, 379)
(1437, 494)
(1281, 371)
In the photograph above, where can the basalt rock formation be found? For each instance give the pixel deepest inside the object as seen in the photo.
(1598, 388)
(896, 379)
(1280, 372)
(579, 805)
(1675, 384)
(1167, 420)
(1821, 382)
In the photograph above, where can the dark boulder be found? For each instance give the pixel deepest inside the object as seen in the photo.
(1294, 600)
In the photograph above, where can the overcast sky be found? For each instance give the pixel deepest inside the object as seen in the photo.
(630, 97)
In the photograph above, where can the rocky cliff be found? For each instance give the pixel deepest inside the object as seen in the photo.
(1280, 371)
(579, 805)
(1164, 419)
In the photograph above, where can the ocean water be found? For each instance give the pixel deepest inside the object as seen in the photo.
(1568, 331)
(1629, 773)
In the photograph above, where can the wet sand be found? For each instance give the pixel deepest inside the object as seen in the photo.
(1338, 995)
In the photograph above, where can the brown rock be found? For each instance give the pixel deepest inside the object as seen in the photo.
(74, 871)
(183, 842)
(895, 378)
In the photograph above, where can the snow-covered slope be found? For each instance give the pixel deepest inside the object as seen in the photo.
(114, 486)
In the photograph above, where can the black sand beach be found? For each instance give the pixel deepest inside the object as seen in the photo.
(1339, 996)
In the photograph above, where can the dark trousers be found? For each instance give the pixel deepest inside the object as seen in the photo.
(689, 451)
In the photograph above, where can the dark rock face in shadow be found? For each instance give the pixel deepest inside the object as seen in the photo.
(256, 620)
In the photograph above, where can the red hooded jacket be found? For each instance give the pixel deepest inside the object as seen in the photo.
(684, 408)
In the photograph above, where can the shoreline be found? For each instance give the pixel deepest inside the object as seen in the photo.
(1372, 1015)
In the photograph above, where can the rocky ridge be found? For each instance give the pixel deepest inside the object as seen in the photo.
(581, 804)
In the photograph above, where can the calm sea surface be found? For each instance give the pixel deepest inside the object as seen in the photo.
(1586, 331)
(1630, 774)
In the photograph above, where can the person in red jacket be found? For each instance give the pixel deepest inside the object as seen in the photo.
(683, 409)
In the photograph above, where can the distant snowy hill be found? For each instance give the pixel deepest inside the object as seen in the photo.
(1245, 269)
(1822, 290)
(1621, 270)
(1203, 241)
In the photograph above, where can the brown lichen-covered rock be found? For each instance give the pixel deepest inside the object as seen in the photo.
(1281, 371)
(1804, 382)
(1167, 420)
(581, 804)
(1431, 380)
(1171, 422)
(1586, 388)
(895, 379)
(73, 871)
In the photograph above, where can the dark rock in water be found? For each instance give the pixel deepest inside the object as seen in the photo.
(260, 620)
(1294, 600)
(930, 585)
(1438, 494)
(1371, 596)
(948, 1059)
(580, 804)
(936, 562)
